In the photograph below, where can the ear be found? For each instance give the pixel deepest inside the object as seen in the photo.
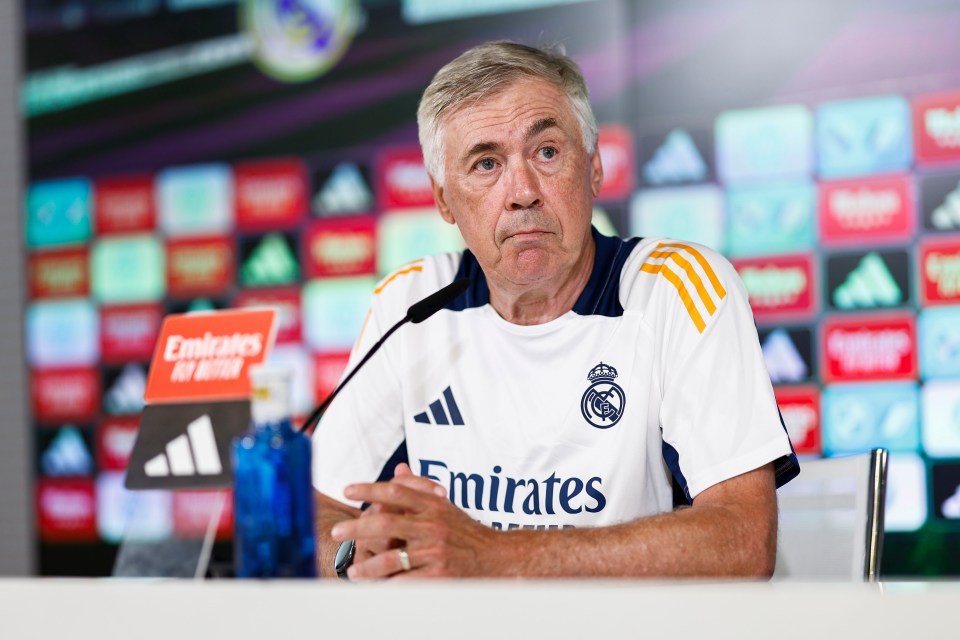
(438, 196)
(596, 172)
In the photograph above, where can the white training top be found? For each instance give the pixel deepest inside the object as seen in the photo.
(655, 374)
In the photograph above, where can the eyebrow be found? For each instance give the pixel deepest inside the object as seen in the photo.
(540, 126)
(536, 128)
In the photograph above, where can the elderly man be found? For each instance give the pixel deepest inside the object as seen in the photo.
(535, 425)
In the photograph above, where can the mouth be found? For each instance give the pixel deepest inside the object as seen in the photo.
(527, 235)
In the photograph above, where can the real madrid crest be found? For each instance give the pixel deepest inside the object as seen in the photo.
(603, 402)
(297, 41)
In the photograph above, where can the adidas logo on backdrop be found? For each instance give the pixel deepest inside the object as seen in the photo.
(345, 191)
(784, 362)
(189, 454)
(676, 160)
(125, 396)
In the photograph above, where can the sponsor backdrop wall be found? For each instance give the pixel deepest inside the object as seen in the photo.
(196, 154)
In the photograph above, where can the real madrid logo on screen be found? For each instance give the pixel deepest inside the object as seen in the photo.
(603, 402)
(297, 40)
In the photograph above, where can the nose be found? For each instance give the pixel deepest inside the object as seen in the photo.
(523, 188)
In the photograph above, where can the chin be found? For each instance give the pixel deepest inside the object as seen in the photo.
(533, 265)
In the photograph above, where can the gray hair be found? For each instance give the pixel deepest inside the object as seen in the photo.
(487, 69)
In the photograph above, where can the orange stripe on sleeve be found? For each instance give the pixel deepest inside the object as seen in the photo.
(703, 263)
(681, 290)
(692, 274)
(395, 275)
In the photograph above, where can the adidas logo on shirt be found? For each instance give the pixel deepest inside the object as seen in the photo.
(189, 454)
(442, 411)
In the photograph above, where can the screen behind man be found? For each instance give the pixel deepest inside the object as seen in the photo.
(535, 425)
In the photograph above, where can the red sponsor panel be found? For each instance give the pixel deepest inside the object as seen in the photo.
(940, 272)
(193, 510)
(124, 205)
(876, 347)
(207, 356)
(270, 194)
(200, 266)
(67, 510)
(65, 395)
(868, 209)
(800, 408)
(285, 301)
(115, 438)
(936, 127)
(328, 368)
(619, 160)
(129, 332)
(344, 247)
(779, 286)
(402, 180)
(53, 274)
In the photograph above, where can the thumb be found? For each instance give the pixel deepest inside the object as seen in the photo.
(402, 469)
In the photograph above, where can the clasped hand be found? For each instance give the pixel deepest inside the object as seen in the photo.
(413, 513)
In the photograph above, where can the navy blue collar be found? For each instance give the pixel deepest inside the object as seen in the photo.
(599, 297)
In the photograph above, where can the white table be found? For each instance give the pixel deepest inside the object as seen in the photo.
(103, 609)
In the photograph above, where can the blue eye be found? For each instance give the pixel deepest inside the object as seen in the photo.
(548, 152)
(487, 164)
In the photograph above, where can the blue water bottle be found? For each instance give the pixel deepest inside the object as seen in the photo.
(272, 491)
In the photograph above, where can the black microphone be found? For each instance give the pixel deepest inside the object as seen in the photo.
(417, 313)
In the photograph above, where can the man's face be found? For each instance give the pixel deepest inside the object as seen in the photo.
(519, 183)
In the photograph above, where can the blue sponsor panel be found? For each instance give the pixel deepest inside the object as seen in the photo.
(334, 310)
(404, 236)
(863, 136)
(125, 269)
(859, 417)
(58, 212)
(939, 338)
(142, 516)
(771, 219)
(763, 144)
(195, 200)
(691, 214)
(63, 333)
(941, 418)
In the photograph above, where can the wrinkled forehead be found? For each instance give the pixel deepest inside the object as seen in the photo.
(546, 99)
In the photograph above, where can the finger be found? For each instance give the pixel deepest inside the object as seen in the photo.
(391, 494)
(369, 547)
(419, 483)
(378, 527)
(402, 469)
(382, 565)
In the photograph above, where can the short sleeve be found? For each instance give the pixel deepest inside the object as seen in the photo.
(719, 417)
